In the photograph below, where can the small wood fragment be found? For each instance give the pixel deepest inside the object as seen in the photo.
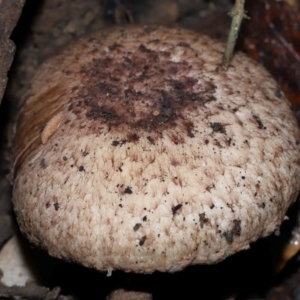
(51, 127)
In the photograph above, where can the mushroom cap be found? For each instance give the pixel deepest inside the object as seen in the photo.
(136, 151)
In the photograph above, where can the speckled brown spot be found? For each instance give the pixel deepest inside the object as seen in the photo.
(81, 169)
(258, 121)
(237, 227)
(177, 139)
(115, 143)
(150, 139)
(56, 206)
(218, 127)
(137, 226)
(142, 240)
(43, 163)
(203, 219)
(132, 138)
(176, 208)
(235, 231)
(128, 190)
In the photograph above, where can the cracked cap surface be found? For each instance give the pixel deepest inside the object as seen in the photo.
(136, 151)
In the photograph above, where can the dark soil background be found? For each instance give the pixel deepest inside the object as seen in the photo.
(43, 28)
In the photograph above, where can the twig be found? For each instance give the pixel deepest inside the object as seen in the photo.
(237, 15)
(29, 292)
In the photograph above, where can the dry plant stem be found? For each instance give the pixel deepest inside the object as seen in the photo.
(237, 15)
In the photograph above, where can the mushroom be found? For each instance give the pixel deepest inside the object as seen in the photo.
(135, 150)
(15, 266)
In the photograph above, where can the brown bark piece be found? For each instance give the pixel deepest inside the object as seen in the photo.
(128, 295)
(10, 13)
(54, 24)
(272, 37)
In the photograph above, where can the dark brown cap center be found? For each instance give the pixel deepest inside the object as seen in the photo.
(145, 89)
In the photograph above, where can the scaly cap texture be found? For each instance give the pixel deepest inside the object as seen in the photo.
(136, 151)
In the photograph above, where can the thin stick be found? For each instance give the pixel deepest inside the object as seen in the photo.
(237, 15)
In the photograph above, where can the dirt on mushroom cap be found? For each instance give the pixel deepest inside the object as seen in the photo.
(160, 159)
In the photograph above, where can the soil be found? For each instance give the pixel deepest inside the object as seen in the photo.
(44, 27)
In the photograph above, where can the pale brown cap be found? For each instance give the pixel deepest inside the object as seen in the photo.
(136, 151)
